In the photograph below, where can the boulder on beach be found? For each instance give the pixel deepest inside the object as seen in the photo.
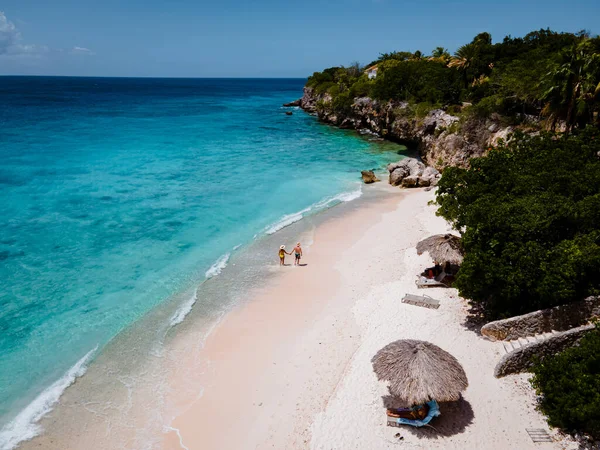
(407, 167)
(410, 181)
(368, 176)
(411, 172)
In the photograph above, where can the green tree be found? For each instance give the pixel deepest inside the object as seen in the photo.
(569, 386)
(574, 86)
(529, 213)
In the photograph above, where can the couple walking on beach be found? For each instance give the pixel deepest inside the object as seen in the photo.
(297, 251)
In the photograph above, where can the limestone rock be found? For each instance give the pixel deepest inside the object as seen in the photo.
(368, 177)
(430, 177)
(294, 103)
(410, 181)
(397, 175)
(408, 167)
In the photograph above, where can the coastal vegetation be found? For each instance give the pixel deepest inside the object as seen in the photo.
(547, 75)
(515, 128)
(569, 386)
(529, 213)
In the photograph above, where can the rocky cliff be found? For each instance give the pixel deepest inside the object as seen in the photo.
(442, 139)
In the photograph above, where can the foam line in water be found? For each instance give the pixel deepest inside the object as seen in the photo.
(289, 219)
(176, 430)
(25, 426)
(183, 310)
(218, 266)
(340, 198)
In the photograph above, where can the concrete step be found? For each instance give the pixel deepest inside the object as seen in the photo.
(516, 344)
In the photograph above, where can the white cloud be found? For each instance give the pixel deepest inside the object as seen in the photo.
(9, 35)
(82, 51)
(11, 44)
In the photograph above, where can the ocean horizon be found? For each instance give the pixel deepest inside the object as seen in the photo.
(122, 194)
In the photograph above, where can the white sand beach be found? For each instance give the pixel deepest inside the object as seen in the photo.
(291, 369)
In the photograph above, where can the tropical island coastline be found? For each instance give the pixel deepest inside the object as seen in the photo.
(290, 366)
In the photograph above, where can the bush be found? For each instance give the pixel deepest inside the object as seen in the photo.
(569, 386)
(530, 211)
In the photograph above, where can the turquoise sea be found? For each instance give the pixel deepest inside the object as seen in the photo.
(118, 194)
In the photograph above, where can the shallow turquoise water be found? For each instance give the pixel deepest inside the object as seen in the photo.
(115, 194)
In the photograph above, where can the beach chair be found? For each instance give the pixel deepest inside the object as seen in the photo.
(421, 300)
(434, 411)
(423, 282)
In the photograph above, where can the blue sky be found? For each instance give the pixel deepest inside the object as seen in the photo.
(260, 38)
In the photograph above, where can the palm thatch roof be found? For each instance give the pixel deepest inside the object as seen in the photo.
(419, 371)
(442, 248)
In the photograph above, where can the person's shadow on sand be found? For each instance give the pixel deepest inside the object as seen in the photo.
(455, 418)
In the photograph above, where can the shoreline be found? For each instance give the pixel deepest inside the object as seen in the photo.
(292, 370)
(289, 367)
(282, 330)
(141, 362)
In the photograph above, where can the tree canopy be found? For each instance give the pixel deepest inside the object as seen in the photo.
(529, 213)
(552, 75)
(569, 386)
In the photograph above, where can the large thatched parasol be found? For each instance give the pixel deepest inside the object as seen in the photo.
(419, 371)
(442, 248)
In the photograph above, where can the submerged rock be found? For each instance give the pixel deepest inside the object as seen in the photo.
(288, 113)
(368, 176)
(294, 103)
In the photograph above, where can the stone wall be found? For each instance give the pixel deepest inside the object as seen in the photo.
(560, 318)
(523, 358)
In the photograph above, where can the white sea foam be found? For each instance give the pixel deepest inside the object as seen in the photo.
(328, 202)
(218, 266)
(25, 426)
(183, 310)
(340, 198)
(176, 430)
(287, 220)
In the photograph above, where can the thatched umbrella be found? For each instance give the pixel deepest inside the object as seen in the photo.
(442, 248)
(419, 371)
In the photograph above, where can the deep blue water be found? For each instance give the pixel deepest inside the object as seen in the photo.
(115, 194)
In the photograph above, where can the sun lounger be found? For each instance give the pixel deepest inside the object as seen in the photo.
(421, 300)
(434, 411)
(431, 282)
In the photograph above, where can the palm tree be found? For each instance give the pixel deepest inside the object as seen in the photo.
(464, 59)
(574, 87)
(440, 54)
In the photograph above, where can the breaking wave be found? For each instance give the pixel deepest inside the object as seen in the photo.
(183, 310)
(25, 426)
(289, 219)
(218, 266)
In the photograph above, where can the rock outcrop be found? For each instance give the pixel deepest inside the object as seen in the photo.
(368, 177)
(441, 138)
(411, 172)
(294, 103)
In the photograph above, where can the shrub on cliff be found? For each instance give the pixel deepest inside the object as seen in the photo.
(529, 213)
(569, 386)
(545, 74)
(417, 81)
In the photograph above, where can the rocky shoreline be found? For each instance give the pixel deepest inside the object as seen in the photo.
(441, 138)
